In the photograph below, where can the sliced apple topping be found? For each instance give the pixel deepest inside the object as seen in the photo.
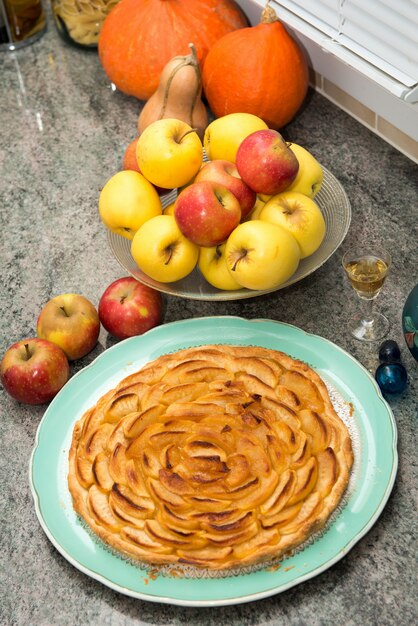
(151, 396)
(140, 420)
(117, 463)
(306, 477)
(121, 406)
(305, 515)
(327, 472)
(306, 391)
(204, 555)
(101, 471)
(259, 368)
(165, 495)
(98, 506)
(141, 538)
(214, 457)
(184, 392)
(255, 386)
(84, 469)
(261, 539)
(280, 496)
(315, 426)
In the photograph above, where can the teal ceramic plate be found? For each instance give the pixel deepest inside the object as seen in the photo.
(369, 420)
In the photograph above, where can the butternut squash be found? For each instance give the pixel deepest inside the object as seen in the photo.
(178, 95)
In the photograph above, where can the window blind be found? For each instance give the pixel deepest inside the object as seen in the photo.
(383, 33)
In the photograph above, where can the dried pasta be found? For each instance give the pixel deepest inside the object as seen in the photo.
(83, 18)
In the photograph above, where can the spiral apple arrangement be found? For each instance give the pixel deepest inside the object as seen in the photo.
(245, 217)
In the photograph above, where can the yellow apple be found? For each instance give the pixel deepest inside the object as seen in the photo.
(260, 255)
(258, 207)
(300, 216)
(212, 265)
(127, 201)
(169, 209)
(162, 252)
(265, 197)
(310, 174)
(224, 135)
(169, 153)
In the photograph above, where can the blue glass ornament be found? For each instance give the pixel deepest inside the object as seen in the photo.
(410, 322)
(389, 351)
(391, 377)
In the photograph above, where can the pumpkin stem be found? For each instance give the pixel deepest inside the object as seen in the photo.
(194, 62)
(268, 15)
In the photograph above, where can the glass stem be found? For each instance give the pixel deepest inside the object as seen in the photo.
(368, 306)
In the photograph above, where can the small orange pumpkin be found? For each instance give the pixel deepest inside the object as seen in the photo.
(260, 70)
(139, 37)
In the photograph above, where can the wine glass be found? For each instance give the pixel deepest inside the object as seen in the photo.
(366, 268)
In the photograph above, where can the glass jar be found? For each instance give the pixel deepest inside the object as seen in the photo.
(79, 21)
(21, 23)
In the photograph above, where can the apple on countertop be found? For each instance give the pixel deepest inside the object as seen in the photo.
(128, 308)
(33, 370)
(70, 321)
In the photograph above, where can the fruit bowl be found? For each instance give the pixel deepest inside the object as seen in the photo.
(335, 207)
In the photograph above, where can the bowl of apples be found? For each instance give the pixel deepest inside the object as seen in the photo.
(244, 214)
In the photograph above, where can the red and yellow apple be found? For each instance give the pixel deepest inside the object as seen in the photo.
(129, 161)
(71, 322)
(33, 370)
(128, 308)
(226, 174)
(162, 252)
(207, 213)
(224, 134)
(310, 173)
(260, 255)
(212, 264)
(300, 216)
(126, 201)
(266, 163)
(169, 153)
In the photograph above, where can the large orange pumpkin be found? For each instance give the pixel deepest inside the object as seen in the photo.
(260, 70)
(139, 37)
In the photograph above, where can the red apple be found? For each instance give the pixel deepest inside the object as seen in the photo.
(128, 308)
(70, 321)
(225, 173)
(266, 163)
(206, 213)
(34, 370)
(130, 162)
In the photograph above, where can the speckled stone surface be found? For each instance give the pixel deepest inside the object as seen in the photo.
(63, 132)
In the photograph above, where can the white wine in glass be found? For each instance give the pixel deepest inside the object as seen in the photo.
(366, 269)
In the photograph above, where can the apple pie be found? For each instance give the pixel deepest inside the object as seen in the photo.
(217, 456)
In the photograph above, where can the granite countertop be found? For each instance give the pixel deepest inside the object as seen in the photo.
(63, 132)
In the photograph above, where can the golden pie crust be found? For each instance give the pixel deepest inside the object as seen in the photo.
(217, 456)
